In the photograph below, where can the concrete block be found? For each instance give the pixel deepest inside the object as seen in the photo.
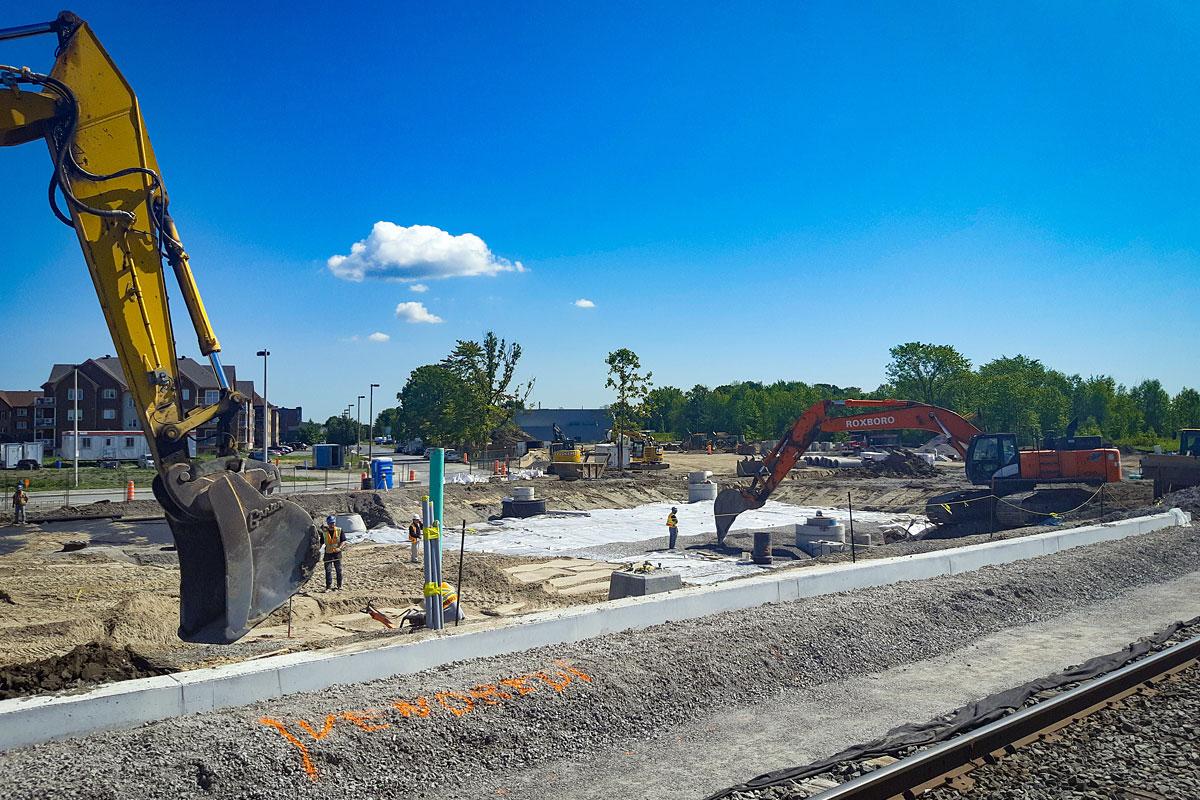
(819, 533)
(817, 548)
(635, 584)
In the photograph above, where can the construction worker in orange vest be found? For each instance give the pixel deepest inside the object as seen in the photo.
(673, 526)
(450, 610)
(334, 539)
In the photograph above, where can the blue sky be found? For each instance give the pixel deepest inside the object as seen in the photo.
(777, 191)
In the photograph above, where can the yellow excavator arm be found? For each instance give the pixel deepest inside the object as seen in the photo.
(241, 552)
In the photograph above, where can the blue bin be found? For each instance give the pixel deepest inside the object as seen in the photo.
(381, 472)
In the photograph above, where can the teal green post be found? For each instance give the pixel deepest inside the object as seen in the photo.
(437, 479)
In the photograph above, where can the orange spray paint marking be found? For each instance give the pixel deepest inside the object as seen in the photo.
(583, 676)
(520, 683)
(329, 718)
(420, 709)
(362, 719)
(489, 694)
(304, 757)
(564, 680)
(442, 698)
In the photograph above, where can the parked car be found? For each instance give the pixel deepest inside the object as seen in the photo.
(146, 461)
(108, 463)
(28, 463)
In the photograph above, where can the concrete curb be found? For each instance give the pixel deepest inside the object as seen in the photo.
(30, 720)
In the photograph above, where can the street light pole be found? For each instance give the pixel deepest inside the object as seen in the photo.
(76, 437)
(266, 406)
(371, 414)
(358, 429)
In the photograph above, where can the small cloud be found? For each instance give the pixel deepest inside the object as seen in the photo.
(379, 337)
(414, 312)
(583, 302)
(418, 252)
(419, 288)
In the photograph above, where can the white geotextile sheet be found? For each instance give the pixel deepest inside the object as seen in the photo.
(582, 534)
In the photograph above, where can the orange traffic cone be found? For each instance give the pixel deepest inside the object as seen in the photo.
(129, 492)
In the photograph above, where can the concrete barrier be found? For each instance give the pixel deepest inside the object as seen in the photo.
(30, 720)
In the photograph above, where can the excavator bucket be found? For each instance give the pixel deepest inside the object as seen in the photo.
(730, 503)
(242, 553)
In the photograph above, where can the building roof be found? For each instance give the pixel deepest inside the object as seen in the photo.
(198, 373)
(19, 397)
(581, 424)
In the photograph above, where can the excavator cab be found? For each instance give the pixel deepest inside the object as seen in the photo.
(990, 453)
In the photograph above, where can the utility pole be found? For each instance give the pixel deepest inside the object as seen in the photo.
(358, 429)
(266, 406)
(76, 415)
(371, 414)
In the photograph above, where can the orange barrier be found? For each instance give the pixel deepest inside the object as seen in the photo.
(129, 492)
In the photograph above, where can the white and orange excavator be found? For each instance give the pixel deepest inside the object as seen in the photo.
(991, 459)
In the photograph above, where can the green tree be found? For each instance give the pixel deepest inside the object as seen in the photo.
(929, 373)
(489, 367)
(441, 408)
(309, 432)
(1155, 406)
(631, 387)
(1185, 409)
(663, 409)
(341, 430)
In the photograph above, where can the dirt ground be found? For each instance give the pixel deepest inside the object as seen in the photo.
(112, 584)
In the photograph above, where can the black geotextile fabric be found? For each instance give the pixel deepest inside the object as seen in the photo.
(965, 719)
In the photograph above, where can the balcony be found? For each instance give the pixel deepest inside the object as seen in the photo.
(43, 401)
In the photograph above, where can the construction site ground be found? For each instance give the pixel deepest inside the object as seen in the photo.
(674, 711)
(104, 577)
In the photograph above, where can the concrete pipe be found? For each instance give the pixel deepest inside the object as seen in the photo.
(522, 493)
(349, 523)
(699, 477)
(698, 492)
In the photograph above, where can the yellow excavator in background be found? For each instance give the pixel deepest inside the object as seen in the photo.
(242, 552)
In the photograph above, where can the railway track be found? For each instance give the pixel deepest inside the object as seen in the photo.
(950, 763)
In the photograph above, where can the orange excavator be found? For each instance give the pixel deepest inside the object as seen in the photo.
(991, 459)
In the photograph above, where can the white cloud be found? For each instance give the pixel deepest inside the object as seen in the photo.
(379, 337)
(418, 252)
(419, 288)
(583, 302)
(413, 311)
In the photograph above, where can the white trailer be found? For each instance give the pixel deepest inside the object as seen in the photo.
(13, 453)
(95, 445)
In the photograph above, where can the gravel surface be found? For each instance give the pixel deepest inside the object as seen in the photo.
(1147, 748)
(379, 740)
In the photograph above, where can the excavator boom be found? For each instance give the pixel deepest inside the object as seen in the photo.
(887, 415)
(241, 552)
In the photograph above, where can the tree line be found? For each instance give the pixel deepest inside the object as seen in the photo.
(1016, 394)
(470, 398)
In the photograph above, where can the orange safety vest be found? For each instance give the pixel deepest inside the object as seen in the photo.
(671, 521)
(449, 596)
(414, 532)
(333, 538)
(20, 498)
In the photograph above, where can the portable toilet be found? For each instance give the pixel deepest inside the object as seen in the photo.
(381, 472)
(327, 456)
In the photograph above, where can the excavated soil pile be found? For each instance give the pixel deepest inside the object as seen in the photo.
(85, 664)
(899, 464)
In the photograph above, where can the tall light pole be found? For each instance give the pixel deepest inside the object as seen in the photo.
(371, 414)
(266, 406)
(76, 415)
(358, 428)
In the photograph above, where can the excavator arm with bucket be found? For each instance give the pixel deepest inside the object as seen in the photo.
(242, 552)
(888, 415)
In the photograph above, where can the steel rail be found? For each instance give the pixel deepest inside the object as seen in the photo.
(924, 769)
